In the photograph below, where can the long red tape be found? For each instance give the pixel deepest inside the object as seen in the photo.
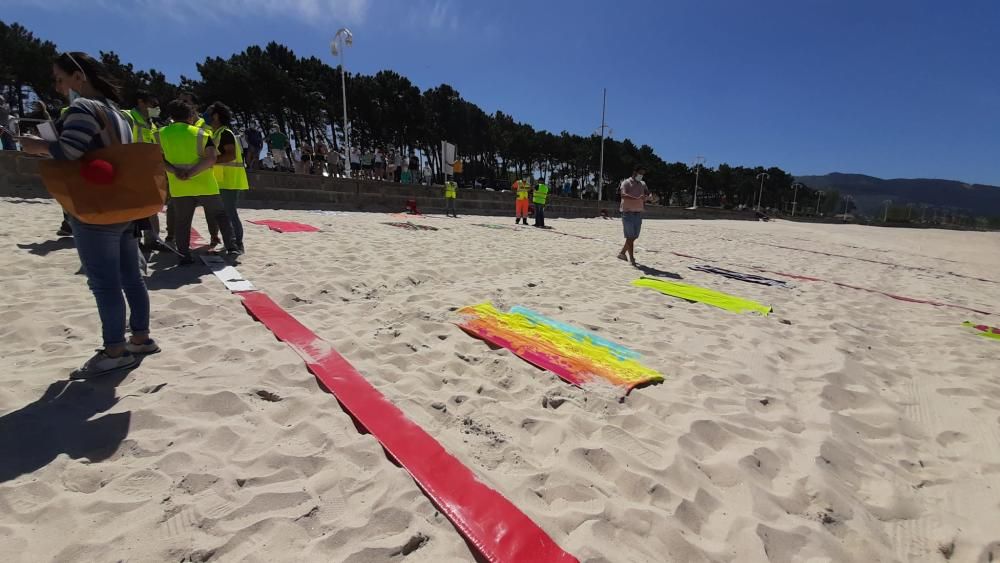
(493, 526)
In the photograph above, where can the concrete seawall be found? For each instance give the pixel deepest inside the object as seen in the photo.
(277, 190)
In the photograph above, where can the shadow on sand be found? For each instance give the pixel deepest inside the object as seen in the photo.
(62, 421)
(651, 271)
(47, 247)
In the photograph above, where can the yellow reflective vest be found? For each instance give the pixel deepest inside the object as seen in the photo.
(521, 187)
(230, 175)
(541, 194)
(184, 145)
(450, 190)
(142, 130)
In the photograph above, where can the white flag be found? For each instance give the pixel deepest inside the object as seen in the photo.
(448, 152)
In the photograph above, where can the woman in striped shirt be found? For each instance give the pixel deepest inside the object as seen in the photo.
(109, 253)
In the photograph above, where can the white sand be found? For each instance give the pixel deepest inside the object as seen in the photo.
(867, 429)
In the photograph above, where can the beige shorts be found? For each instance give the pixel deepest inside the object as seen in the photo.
(279, 156)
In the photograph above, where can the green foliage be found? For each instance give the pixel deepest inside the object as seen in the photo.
(25, 62)
(273, 87)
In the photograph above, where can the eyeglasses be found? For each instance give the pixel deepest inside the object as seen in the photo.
(71, 58)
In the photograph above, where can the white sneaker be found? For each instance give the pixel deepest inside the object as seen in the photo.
(102, 364)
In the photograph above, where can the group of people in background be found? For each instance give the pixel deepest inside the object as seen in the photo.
(203, 158)
(316, 157)
(530, 197)
(205, 166)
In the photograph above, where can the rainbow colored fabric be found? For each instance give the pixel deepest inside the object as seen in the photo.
(985, 331)
(575, 355)
(702, 295)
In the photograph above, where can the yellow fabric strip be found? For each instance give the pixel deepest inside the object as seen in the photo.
(702, 295)
(990, 332)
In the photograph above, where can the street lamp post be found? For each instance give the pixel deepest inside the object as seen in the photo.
(819, 198)
(885, 214)
(847, 200)
(698, 162)
(604, 130)
(760, 197)
(341, 41)
(795, 198)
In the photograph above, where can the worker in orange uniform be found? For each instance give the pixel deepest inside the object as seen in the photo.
(521, 189)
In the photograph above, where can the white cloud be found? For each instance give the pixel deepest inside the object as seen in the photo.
(315, 12)
(441, 16)
(436, 16)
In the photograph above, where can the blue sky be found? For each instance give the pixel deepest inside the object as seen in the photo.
(890, 88)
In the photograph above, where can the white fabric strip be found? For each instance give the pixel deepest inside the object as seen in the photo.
(230, 276)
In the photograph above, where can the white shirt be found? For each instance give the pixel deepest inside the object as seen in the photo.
(639, 192)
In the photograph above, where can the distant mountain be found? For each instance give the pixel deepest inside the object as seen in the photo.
(869, 192)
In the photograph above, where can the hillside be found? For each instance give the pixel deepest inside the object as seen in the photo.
(869, 192)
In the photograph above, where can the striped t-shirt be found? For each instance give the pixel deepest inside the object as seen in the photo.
(80, 131)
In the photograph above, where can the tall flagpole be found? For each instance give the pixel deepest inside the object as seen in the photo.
(604, 128)
(341, 41)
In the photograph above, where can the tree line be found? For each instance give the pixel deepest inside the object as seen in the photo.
(271, 87)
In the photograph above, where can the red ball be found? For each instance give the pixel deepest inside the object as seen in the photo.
(99, 172)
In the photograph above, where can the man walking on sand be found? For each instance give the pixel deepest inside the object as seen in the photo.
(634, 194)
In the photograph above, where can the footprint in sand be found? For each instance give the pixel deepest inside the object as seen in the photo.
(215, 507)
(949, 437)
(179, 522)
(615, 435)
(145, 483)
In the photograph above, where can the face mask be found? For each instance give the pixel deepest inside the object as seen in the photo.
(154, 112)
(73, 95)
(638, 177)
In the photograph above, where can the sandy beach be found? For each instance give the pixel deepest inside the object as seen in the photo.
(845, 426)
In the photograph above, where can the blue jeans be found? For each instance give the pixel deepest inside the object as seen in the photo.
(230, 198)
(110, 258)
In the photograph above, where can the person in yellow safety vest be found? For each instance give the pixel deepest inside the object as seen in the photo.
(450, 195)
(201, 123)
(190, 153)
(521, 188)
(230, 171)
(192, 100)
(540, 198)
(147, 108)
